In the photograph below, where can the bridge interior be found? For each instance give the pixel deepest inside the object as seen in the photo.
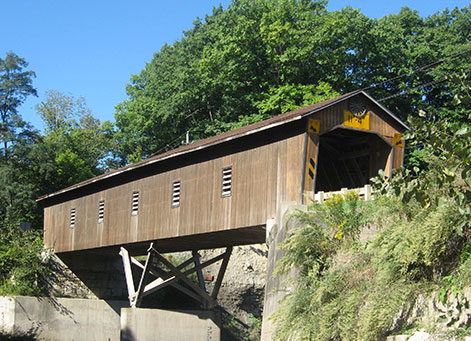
(349, 158)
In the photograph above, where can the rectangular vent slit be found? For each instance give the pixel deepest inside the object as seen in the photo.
(72, 218)
(176, 194)
(135, 203)
(101, 211)
(226, 181)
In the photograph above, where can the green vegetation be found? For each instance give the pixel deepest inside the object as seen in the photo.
(233, 329)
(351, 289)
(73, 148)
(75, 145)
(22, 271)
(259, 58)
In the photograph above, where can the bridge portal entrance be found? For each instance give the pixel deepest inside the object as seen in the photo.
(348, 158)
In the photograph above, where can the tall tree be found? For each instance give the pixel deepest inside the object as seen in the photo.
(75, 146)
(414, 59)
(259, 58)
(219, 72)
(17, 139)
(15, 86)
(21, 270)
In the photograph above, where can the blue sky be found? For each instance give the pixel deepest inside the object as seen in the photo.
(90, 48)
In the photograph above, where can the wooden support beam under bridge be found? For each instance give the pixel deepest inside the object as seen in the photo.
(171, 276)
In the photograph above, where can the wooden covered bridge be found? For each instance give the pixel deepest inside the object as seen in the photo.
(219, 192)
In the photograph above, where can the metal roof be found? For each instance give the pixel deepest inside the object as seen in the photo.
(227, 136)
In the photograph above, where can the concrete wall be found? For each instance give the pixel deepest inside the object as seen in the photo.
(61, 318)
(156, 324)
(7, 314)
(277, 287)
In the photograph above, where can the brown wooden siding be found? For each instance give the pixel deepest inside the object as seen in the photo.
(262, 178)
(382, 155)
(379, 123)
(267, 170)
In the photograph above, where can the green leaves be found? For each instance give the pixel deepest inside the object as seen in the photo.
(310, 248)
(351, 289)
(266, 57)
(15, 86)
(22, 271)
(254, 59)
(289, 97)
(17, 138)
(424, 215)
(462, 131)
(440, 169)
(76, 145)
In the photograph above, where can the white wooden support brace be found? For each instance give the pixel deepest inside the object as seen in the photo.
(144, 276)
(181, 276)
(164, 278)
(128, 273)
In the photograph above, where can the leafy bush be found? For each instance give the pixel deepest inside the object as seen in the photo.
(338, 219)
(316, 308)
(348, 289)
(22, 271)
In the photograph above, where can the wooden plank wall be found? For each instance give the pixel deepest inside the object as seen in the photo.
(262, 178)
(380, 123)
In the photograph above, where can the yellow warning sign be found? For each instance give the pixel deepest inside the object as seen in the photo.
(350, 120)
(314, 126)
(312, 168)
(398, 141)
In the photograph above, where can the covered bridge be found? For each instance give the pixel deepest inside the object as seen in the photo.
(220, 191)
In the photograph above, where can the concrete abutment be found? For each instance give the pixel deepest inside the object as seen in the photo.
(96, 320)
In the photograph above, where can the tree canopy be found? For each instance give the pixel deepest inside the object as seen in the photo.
(75, 145)
(258, 58)
(17, 139)
(15, 86)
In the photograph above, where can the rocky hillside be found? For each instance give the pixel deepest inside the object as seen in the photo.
(242, 292)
